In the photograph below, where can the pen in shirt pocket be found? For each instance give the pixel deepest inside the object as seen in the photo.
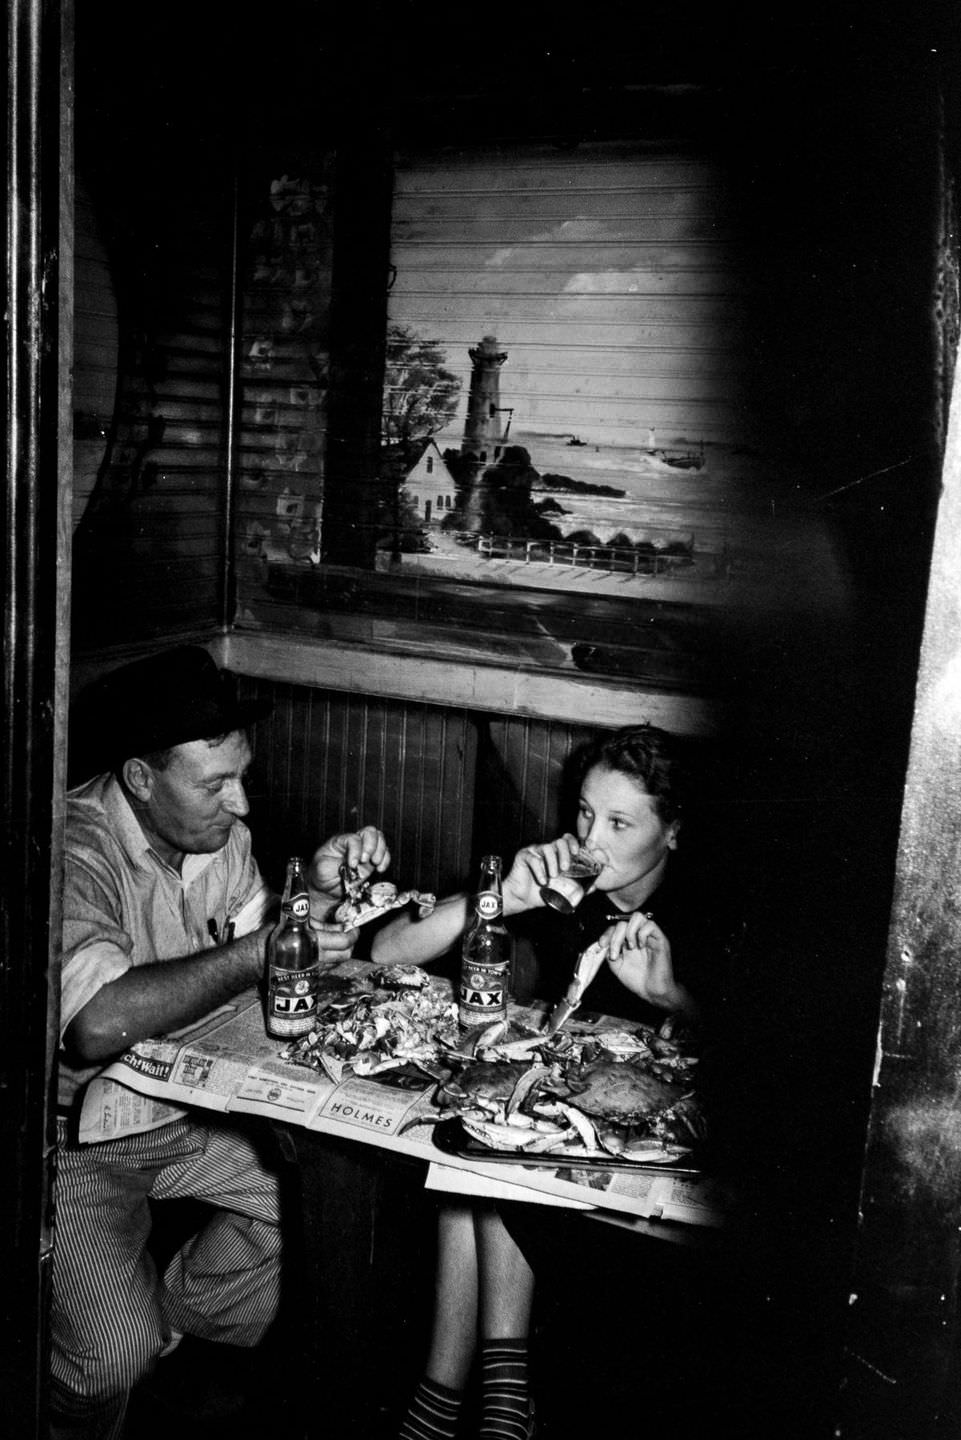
(213, 931)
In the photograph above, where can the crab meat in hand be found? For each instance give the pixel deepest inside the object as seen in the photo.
(366, 900)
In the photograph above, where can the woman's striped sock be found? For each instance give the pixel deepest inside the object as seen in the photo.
(433, 1413)
(505, 1393)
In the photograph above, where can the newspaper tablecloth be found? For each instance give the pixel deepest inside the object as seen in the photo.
(228, 1063)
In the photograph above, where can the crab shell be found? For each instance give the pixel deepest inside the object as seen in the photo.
(619, 1092)
(490, 1086)
(632, 1112)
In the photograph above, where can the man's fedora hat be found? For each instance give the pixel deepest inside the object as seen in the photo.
(164, 700)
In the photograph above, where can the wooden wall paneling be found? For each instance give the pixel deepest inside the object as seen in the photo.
(270, 783)
(521, 795)
(414, 828)
(446, 786)
(410, 769)
(341, 787)
(381, 785)
(297, 760)
(326, 762)
(321, 802)
(457, 789)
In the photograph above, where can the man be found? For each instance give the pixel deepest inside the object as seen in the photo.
(166, 916)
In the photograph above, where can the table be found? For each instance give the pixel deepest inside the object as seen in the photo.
(362, 1148)
(227, 1063)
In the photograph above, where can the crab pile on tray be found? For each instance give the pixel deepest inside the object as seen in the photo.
(627, 1092)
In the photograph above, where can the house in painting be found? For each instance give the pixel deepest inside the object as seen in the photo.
(430, 486)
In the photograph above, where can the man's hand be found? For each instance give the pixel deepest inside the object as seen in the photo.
(364, 851)
(334, 942)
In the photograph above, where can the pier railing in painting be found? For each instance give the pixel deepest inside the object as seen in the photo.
(639, 559)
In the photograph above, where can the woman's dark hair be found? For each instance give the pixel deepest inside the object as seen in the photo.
(646, 754)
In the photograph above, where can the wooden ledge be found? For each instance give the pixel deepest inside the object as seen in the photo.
(466, 684)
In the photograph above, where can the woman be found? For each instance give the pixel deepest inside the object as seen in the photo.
(661, 961)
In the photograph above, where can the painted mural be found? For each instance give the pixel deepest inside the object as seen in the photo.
(567, 437)
(578, 318)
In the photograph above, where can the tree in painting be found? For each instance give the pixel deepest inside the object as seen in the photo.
(420, 393)
(420, 399)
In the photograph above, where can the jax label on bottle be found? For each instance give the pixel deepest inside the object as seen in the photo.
(482, 997)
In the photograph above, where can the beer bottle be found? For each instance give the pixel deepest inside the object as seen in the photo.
(293, 956)
(485, 953)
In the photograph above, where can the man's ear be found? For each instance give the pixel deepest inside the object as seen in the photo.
(673, 834)
(138, 778)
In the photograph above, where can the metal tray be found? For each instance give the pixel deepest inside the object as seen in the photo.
(451, 1138)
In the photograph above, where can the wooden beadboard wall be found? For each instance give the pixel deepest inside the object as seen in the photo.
(445, 784)
(327, 762)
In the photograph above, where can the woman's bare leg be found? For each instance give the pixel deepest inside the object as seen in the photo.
(505, 1279)
(506, 1294)
(435, 1408)
(454, 1330)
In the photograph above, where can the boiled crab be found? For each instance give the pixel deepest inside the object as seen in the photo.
(497, 1103)
(634, 1100)
(494, 1087)
(633, 1109)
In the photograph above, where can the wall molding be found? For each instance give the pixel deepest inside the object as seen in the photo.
(358, 669)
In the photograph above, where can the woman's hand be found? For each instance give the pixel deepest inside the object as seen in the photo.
(533, 867)
(639, 953)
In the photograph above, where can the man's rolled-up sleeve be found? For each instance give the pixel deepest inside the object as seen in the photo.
(96, 950)
(251, 899)
(254, 911)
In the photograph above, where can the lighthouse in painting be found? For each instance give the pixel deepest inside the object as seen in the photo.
(483, 437)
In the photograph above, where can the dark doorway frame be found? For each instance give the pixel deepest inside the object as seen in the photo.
(36, 587)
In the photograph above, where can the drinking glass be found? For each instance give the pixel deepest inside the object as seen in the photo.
(566, 891)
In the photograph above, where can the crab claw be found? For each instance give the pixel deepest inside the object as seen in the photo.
(440, 1073)
(588, 963)
(529, 1081)
(484, 1037)
(520, 1049)
(590, 1138)
(449, 1093)
(418, 1120)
